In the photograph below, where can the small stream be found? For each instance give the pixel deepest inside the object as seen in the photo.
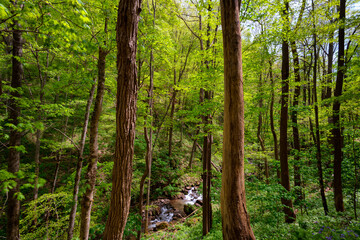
(167, 211)
(192, 196)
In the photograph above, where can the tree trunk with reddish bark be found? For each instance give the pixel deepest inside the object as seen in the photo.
(235, 219)
(126, 35)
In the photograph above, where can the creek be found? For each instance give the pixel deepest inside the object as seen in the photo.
(175, 207)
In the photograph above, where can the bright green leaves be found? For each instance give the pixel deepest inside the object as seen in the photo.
(7, 181)
(4, 12)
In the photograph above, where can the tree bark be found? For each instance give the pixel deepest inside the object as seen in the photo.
(318, 147)
(336, 131)
(261, 140)
(126, 33)
(272, 127)
(193, 150)
(88, 197)
(294, 118)
(177, 80)
(173, 101)
(206, 154)
(235, 219)
(38, 134)
(206, 157)
(79, 164)
(329, 78)
(285, 180)
(148, 139)
(13, 208)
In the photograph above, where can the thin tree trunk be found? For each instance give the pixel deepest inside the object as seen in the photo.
(330, 67)
(79, 164)
(126, 33)
(356, 177)
(336, 131)
(294, 118)
(285, 179)
(43, 80)
(318, 148)
(193, 150)
(206, 157)
(235, 219)
(173, 101)
(272, 127)
(13, 208)
(88, 198)
(56, 174)
(148, 139)
(261, 140)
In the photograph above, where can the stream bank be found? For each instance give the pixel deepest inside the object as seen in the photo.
(173, 210)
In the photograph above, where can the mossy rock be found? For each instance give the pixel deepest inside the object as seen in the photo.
(192, 221)
(162, 225)
(188, 209)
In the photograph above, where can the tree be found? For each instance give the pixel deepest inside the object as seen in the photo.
(79, 164)
(317, 136)
(148, 134)
(126, 36)
(336, 131)
(94, 151)
(235, 219)
(285, 181)
(13, 208)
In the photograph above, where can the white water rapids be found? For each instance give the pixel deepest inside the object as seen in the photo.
(166, 212)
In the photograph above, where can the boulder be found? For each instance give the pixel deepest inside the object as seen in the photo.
(188, 209)
(162, 225)
(180, 196)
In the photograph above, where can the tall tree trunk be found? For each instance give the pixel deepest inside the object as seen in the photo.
(177, 80)
(173, 101)
(43, 80)
(88, 197)
(193, 150)
(79, 165)
(330, 67)
(206, 154)
(148, 139)
(261, 140)
(285, 180)
(294, 118)
(356, 175)
(336, 131)
(206, 157)
(318, 148)
(235, 219)
(126, 33)
(272, 127)
(13, 208)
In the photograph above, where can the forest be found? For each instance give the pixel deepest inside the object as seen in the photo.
(179, 119)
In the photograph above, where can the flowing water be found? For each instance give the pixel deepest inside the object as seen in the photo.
(167, 211)
(192, 197)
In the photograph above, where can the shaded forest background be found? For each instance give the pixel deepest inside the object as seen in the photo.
(63, 110)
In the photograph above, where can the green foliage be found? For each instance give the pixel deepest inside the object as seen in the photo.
(46, 216)
(133, 225)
